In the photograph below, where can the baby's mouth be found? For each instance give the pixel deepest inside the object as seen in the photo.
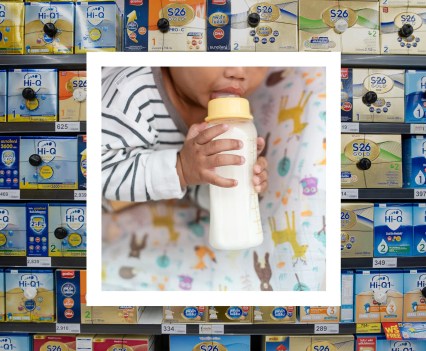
(227, 92)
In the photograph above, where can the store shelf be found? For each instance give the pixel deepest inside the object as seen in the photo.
(42, 195)
(65, 62)
(39, 127)
(56, 262)
(385, 61)
(383, 194)
(367, 262)
(382, 128)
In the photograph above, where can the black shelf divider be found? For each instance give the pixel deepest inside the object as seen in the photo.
(384, 61)
(35, 127)
(383, 194)
(367, 262)
(57, 262)
(381, 128)
(47, 194)
(61, 62)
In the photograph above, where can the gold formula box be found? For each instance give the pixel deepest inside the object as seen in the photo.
(274, 314)
(371, 161)
(184, 314)
(11, 28)
(229, 314)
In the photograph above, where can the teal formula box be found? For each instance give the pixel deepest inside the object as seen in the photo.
(48, 163)
(393, 230)
(415, 96)
(13, 231)
(15, 342)
(347, 295)
(9, 162)
(32, 95)
(419, 229)
(37, 229)
(67, 230)
(3, 95)
(414, 161)
(207, 342)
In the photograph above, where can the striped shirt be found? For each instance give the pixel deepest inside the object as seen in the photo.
(141, 135)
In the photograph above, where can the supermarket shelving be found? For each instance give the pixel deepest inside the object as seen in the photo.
(367, 262)
(384, 61)
(61, 62)
(38, 127)
(386, 194)
(56, 262)
(44, 195)
(382, 128)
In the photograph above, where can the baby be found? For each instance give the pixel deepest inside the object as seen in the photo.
(155, 143)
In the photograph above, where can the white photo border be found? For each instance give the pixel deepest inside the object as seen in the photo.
(331, 296)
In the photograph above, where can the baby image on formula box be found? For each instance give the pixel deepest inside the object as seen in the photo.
(29, 295)
(177, 26)
(13, 231)
(32, 95)
(276, 30)
(48, 162)
(419, 229)
(415, 295)
(378, 296)
(97, 27)
(12, 28)
(393, 230)
(49, 27)
(3, 95)
(9, 162)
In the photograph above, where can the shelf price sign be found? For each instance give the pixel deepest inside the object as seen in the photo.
(67, 127)
(211, 329)
(420, 194)
(169, 328)
(418, 128)
(326, 328)
(368, 328)
(350, 127)
(80, 195)
(39, 261)
(349, 194)
(388, 262)
(71, 328)
(10, 194)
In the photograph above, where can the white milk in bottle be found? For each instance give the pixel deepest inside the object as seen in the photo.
(234, 212)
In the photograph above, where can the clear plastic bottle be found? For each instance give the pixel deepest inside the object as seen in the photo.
(234, 212)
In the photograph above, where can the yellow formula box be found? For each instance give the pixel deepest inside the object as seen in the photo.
(11, 28)
(72, 95)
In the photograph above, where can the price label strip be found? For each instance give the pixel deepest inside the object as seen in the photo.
(71, 328)
(212, 329)
(80, 195)
(169, 328)
(420, 194)
(418, 128)
(67, 127)
(326, 328)
(388, 262)
(368, 328)
(350, 127)
(349, 194)
(39, 261)
(10, 194)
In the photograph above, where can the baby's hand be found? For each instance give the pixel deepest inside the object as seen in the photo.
(260, 178)
(200, 155)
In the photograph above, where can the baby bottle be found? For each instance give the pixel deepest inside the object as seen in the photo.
(234, 212)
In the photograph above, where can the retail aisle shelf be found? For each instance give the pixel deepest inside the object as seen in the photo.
(385, 61)
(56, 262)
(42, 127)
(65, 62)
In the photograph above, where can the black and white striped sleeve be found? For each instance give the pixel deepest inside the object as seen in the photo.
(131, 169)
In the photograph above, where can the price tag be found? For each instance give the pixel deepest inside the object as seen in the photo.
(169, 328)
(350, 127)
(420, 194)
(72, 328)
(10, 194)
(418, 128)
(349, 194)
(368, 328)
(80, 195)
(212, 329)
(65, 127)
(326, 328)
(39, 261)
(388, 262)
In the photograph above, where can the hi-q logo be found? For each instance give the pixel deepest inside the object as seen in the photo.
(4, 218)
(37, 223)
(422, 81)
(47, 150)
(380, 282)
(424, 148)
(48, 14)
(402, 346)
(74, 218)
(29, 280)
(421, 282)
(6, 344)
(2, 13)
(393, 218)
(95, 14)
(33, 80)
(8, 158)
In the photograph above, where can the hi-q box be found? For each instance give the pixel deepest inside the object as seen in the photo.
(12, 28)
(3, 95)
(414, 161)
(419, 229)
(415, 295)
(415, 96)
(9, 162)
(13, 231)
(15, 342)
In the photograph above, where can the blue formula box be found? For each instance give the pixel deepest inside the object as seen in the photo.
(414, 301)
(9, 162)
(419, 229)
(67, 229)
(415, 96)
(401, 345)
(207, 342)
(15, 342)
(346, 92)
(32, 95)
(48, 162)
(13, 230)
(393, 230)
(3, 95)
(218, 25)
(68, 301)
(82, 158)
(2, 297)
(135, 23)
(414, 161)
(37, 229)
